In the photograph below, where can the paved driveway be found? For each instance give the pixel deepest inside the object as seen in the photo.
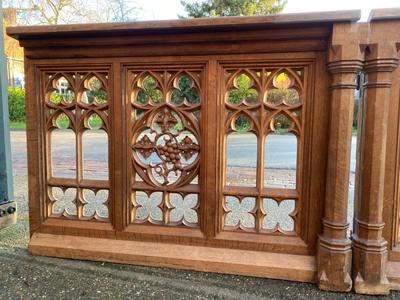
(280, 150)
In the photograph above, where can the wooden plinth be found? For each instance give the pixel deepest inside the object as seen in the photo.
(208, 259)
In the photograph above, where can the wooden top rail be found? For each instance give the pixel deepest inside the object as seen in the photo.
(186, 25)
(206, 36)
(384, 14)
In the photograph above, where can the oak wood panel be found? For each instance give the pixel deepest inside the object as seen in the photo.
(289, 267)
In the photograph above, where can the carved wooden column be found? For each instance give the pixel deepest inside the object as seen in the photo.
(370, 248)
(334, 249)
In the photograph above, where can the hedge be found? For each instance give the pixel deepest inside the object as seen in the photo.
(16, 104)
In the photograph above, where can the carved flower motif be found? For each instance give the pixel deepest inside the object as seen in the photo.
(166, 120)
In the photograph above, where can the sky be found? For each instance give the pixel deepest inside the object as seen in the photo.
(169, 9)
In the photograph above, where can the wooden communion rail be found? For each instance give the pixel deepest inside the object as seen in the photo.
(168, 98)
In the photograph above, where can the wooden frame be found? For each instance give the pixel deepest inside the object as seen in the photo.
(139, 98)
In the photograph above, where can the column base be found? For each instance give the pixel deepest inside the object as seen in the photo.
(369, 270)
(334, 267)
(371, 288)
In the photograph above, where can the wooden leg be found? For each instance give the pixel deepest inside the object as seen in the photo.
(334, 251)
(370, 248)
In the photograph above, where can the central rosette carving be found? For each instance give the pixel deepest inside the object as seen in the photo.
(166, 148)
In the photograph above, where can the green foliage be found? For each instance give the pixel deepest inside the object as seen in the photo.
(355, 114)
(149, 91)
(95, 122)
(178, 126)
(16, 102)
(281, 124)
(96, 92)
(277, 96)
(243, 91)
(56, 97)
(185, 91)
(242, 123)
(62, 121)
(215, 8)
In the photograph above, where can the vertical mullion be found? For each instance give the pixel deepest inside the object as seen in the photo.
(78, 148)
(260, 169)
(210, 165)
(117, 148)
(260, 156)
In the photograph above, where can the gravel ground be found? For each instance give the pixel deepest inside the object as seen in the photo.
(27, 277)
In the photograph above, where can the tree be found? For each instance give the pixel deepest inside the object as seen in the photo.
(123, 10)
(11, 46)
(214, 8)
(51, 12)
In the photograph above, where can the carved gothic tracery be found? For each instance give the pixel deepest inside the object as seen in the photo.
(165, 143)
(260, 103)
(76, 103)
(165, 140)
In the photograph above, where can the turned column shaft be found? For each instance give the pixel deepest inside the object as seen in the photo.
(334, 257)
(370, 248)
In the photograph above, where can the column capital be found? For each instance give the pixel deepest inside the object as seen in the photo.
(381, 64)
(345, 66)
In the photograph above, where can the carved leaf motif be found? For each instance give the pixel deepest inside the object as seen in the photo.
(188, 148)
(145, 146)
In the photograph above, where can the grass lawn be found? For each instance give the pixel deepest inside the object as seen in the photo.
(17, 125)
